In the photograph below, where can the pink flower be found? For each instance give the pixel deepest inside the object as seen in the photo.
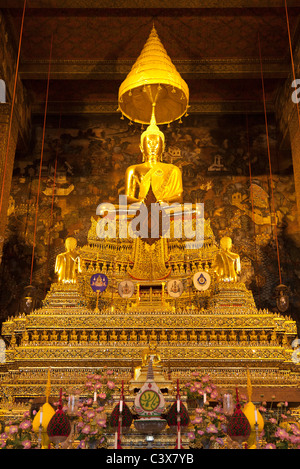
(89, 384)
(101, 423)
(208, 389)
(97, 377)
(13, 429)
(86, 429)
(109, 372)
(26, 444)
(25, 424)
(205, 379)
(110, 384)
(295, 429)
(211, 429)
(272, 420)
(191, 435)
(102, 395)
(270, 446)
(200, 432)
(97, 386)
(197, 420)
(294, 439)
(281, 434)
(195, 373)
(90, 414)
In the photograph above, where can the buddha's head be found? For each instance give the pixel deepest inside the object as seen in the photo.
(226, 243)
(152, 143)
(70, 244)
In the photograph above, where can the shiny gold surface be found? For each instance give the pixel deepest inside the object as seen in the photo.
(153, 79)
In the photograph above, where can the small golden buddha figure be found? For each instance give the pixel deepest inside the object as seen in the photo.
(263, 336)
(163, 337)
(243, 336)
(164, 179)
(73, 336)
(227, 264)
(53, 336)
(44, 336)
(64, 336)
(213, 336)
(183, 336)
(35, 336)
(274, 337)
(253, 336)
(113, 336)
(133, 336)
(193, 336)
(173, 336)
(68, 263)
(102, 336)
(83, 337)
(93, 336)
(143, 337)
(13, 340)
(123, 336)
(152, 336)
(222, 337)
(25, 338)
(232, 336)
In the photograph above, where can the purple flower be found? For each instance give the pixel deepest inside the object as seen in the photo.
(86, 429)
(191, 435)
(26, 444)
(270, 446)
(211, 428)
(13, 429)
(281, 434)
(25, 425)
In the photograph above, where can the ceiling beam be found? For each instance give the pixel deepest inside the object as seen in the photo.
(118, 69)
(140, 4)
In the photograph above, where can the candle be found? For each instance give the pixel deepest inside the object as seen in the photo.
(178, 405)
(255, 413)
(95, 396)
(73, 402)
(121, 405)
(41, 416)
(204, 398)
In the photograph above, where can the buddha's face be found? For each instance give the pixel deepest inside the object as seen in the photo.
(70, 244)
(152, 148)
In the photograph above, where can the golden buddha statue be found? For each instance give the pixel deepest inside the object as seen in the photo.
(243, 336)
(64, 336)
(222, 337)
(213, 336)
(73, 336)
(83, 337)
(232, 336)
(143, 337)
(53, 336)
(163, 337)
(35, 336)
(253, 336)
(227, 264)
(263, 337)
(151, 353)
(25, 338)
(102, 336)
(123, 336)
(133, 336)
(164, 179)
(153, 336)
(93, 336)
(173, 336)
(113, 336)
(44, 336)
(193, 336)
(68, 263)
(183, 336)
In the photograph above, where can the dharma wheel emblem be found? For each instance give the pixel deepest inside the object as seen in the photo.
(201, 281)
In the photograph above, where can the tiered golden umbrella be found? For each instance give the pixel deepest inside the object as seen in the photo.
(153, 81)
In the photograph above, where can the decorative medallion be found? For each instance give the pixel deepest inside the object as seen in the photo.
(99, 282)
(202, 280)
(175, 288)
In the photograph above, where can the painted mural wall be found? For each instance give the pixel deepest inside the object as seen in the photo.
(224, 162)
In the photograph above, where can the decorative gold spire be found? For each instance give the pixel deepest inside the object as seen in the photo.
(153, 79)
